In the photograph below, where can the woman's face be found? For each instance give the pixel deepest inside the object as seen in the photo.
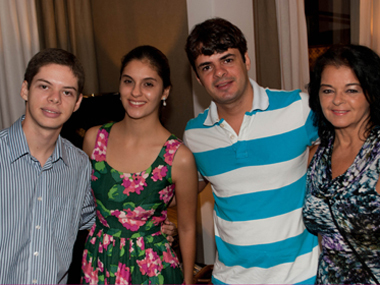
(141, 89)
(342, 98)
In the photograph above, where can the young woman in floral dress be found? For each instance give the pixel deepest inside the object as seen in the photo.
(138, 166)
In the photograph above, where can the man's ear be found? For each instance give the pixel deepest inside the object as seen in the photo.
(24, 93)
(78, 102)
(247, 61)
(199, 81)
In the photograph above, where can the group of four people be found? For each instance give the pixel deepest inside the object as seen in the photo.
(253, 145)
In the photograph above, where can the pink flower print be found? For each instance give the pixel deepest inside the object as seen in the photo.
(159, 172)
(131, 249)
(133, 220)
(107, 241)
(171, 147)
(139, 181)
(151, 265)
(100, 250)
(122, 243)
(102, 220)
(140, 243)
(100, 265)
(168, 257)
(166, 194)
(158, 220)
(100, 150)
(92, 241)
(93, 177)
(134, 183)
(123, 274)
(92, 230)
(90, 275)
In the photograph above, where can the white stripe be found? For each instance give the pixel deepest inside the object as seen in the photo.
(275, 119)
(246, 233)
(303, 268)
(280, 121)
(265, 177)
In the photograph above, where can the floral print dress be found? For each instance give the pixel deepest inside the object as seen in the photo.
(356, 208)
(126, 245)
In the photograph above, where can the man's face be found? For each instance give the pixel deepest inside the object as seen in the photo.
(224, 75)
(51, 97)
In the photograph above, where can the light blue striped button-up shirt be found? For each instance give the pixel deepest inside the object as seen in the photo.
(41, 209)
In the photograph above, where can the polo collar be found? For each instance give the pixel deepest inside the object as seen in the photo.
(260, 102)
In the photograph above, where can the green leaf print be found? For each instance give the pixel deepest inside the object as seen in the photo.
(113, 270)
(149, 239)
(160, 279)
(149, 225)
(149, 170)
(100, 166)
(102, 209)
(136, 235)
(116, 193)
(116, 175)
(129, 205)
(101, 278)
(107, 125)
(122, 251)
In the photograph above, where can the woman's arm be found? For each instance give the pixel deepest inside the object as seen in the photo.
(312, 151)
(185, 177)
(89, 140)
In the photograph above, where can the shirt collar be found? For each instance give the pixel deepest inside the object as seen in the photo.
(260, 102)
(18, 144)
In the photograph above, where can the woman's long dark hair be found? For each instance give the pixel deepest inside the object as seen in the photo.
(365, 63)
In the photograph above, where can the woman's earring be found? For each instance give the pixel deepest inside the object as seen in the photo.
(164, 101)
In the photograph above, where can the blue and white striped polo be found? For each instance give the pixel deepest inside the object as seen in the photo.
(258, 178)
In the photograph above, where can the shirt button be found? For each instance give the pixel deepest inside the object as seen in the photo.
(232, 137)
(39, 198)
(222, 125)
(36, 253)
(38, 227)
(34, 281)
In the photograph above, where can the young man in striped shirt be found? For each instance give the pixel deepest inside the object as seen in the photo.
(45, 195)
(251, 144)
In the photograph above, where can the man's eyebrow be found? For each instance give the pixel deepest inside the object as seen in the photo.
(222, 58)
(49, 83)
(227, 55)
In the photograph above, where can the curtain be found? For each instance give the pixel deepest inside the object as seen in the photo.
(369, 24)
(68, 24)
(267, 44)
(292, 32)
(18, 43)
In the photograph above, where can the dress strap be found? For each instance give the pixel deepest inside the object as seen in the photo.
(100, 149)
(170, 148)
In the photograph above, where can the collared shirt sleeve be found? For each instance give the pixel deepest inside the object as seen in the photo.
(88, 209)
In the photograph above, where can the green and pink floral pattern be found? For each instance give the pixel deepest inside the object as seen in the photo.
(126, 245)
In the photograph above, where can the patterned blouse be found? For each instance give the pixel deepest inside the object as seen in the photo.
(356, 208)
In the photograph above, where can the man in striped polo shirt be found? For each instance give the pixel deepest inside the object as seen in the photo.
(251, 144)
(45, 194)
